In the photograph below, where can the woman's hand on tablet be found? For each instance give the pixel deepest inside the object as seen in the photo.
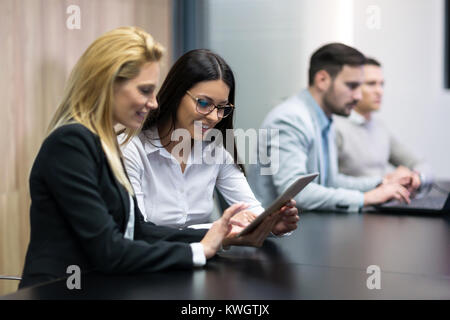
(289, 219)
(256, 237)
(220, 229)
(243, 218)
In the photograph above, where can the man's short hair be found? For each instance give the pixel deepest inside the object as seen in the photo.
(372, 62)
(332, 57)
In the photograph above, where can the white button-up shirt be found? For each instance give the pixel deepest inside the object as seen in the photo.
(167, 196)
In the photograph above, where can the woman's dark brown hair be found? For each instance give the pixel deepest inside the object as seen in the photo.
(193, 67)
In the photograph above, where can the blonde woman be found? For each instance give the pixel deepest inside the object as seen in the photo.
(83, 209)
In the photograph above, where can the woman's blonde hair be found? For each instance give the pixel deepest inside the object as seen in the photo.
(89, 92)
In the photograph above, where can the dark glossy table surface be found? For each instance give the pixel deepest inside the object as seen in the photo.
(326, 258)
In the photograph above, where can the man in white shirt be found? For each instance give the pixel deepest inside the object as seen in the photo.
(365, 145)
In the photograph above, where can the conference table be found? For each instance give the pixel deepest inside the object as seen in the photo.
(332, 255)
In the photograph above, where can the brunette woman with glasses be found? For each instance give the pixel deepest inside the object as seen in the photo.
(186, 149)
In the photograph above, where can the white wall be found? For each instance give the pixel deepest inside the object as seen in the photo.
(268, 44)
(410, 44)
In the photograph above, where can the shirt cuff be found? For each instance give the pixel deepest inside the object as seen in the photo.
(281, 235)
(198, 254)
(361, 202)
(201, 226)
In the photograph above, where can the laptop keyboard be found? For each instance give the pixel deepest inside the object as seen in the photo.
(429, 202)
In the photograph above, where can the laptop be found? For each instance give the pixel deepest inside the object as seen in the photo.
(437, 200)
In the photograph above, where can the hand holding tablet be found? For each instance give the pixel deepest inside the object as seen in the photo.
(290, 193)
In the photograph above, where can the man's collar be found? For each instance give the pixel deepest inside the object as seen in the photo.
(357, 118)
(324, 121)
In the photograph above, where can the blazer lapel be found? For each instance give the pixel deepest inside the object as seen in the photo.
(124, 199)
(332, 154)
(318, 138)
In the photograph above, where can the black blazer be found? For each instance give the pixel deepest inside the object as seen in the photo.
(79, 213)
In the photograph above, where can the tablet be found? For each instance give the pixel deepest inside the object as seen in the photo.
(290, 193)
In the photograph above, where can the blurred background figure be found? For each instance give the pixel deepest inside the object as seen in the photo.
(366, 147)
(306, 140)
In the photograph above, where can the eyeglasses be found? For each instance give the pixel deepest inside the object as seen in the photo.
(205, 106)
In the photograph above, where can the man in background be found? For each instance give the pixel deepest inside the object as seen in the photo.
(306, 140)
(365, 145)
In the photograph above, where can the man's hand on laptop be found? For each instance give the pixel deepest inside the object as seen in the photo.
(386, 192)
(404, 176)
